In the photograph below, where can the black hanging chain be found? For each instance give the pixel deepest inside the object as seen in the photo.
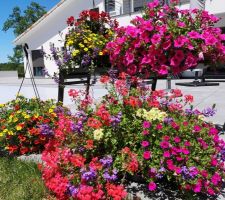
(28, 68)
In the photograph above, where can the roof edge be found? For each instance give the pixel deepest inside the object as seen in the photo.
(39, 21)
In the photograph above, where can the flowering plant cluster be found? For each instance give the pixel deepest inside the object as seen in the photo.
(85, 41)
(26, 124)
(134, 132)
(167, 40)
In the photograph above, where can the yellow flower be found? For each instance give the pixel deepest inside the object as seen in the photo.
(89, 39)
(18, 128)
(98, 134)
(26, 116)
(36, 115)
(1, 134)
(85, 41)
(50, 110)
(86, 49)
(15, 119)
(81, 45)
(75, 52)
(100, 53)
(10, 133)
(5, 130)
(69, 43)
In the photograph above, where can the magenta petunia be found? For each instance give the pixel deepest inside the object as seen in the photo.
(159, 127)
(177, 139)
(197, 188)
(151, 186)
(147, 155)
(197, 128)
(185, 151)
(164, 144)
(187, 143)
(146, 124)
(166, 154)
(145, 143)
(210, 191)
(145, 132)
(216, 179)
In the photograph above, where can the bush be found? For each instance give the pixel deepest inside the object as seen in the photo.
(26, 124)
(155, 136)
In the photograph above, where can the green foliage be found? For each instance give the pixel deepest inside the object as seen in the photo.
(13, 66)
(20, 21)
(20, 180)
(17, 56)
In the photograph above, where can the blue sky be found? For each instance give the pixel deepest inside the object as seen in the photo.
(6, 7)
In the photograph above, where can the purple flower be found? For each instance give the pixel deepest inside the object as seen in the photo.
(78, 127)
(189, 173)
(168, 120)
(88, 175)
(113, 74)
(190, 111)
(222, 154)
(110, 176)
(209, 112)
(193, 172)
(115, 120)
(46, 130)
(73, 190)
(81, 114)
(106, 161)
(86, 61)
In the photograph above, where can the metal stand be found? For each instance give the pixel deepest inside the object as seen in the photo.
(85, 79)
(197, 83)
(29, 69)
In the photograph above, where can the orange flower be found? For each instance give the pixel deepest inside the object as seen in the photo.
(89, 144)
(94, 123)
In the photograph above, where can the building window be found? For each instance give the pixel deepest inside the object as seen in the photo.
(38, 62)
(139, 4)
(110, 5)
(38, 71)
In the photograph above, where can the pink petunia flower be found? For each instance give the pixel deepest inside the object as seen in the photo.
(197, 188)
(145, 132)
(194, 35)
(156, 39)
(164, 144)
(166, 154)
(147, 155)
(146, 124)
(197, 128)
(176, 139)
(151, 186)
(144, 143)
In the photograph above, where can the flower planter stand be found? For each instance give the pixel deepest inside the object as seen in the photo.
(196, 82)
(83, 74)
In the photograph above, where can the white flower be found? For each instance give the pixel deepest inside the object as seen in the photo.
(98, 134)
